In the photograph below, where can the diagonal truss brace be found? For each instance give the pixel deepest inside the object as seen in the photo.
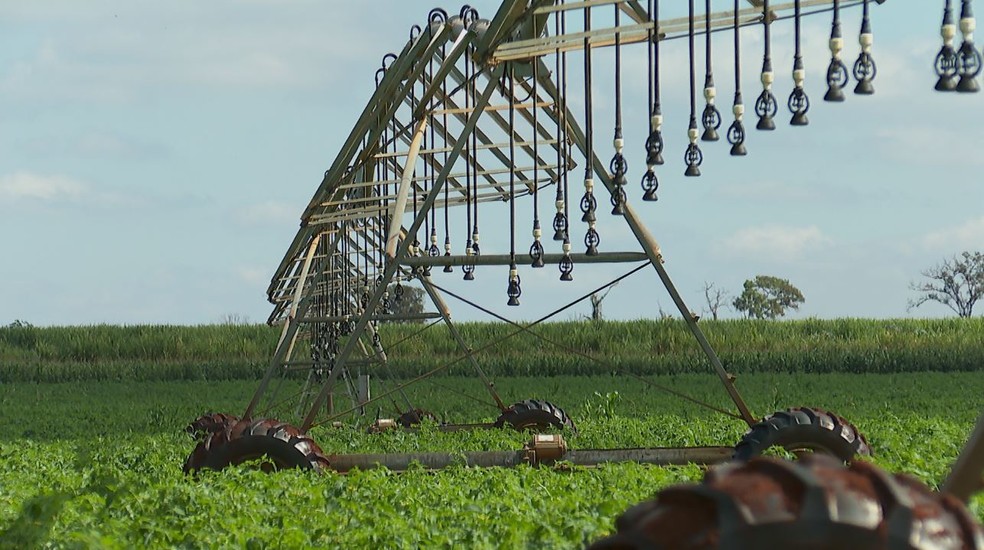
(404, 246)
(651, 247)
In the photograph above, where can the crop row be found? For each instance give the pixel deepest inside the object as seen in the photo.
(98, 464)
(230, 352)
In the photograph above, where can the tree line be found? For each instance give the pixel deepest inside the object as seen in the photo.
(956, 282)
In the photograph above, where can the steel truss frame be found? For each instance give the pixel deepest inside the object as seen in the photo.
(353, 244)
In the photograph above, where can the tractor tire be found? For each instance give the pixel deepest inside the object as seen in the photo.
(279, 445)
(210, 423)
(814, 503)
(533, 414)
(414, 417)
(803, 429)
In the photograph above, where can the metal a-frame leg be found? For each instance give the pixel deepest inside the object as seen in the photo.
(379, 355)
(404, 246)
(406, 68)
(442, 308)
(649, 245)
(299, 307)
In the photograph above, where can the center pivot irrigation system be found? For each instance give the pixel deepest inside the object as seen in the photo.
(470, 124)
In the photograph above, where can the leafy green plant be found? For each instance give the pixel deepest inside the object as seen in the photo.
(98, 464)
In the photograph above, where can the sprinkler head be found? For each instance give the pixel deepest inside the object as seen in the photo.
(738, 150)
(865, 87)
(766, 123)
(799, 119)
(946, 84)
(967, 85)
(835, 94)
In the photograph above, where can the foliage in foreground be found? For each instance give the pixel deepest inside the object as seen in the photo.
(98, 464)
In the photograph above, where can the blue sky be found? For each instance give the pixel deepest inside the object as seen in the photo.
(155, 158)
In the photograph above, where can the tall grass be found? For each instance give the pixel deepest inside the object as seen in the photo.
(645, 347)
(139, 342)
(105, 352)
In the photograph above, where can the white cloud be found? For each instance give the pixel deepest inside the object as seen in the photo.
(966, 236)
(27, 185)
(65, 190)
(253, 276)
(774, 242)
(146, 48)
(768, 190)
(97, 144)
(937, 146)
(269, 213)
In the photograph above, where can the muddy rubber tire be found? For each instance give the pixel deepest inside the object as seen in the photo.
(803, 429)
(278, 446)
(414, 417)
(813, 503)
(533, 414)
(210, 423)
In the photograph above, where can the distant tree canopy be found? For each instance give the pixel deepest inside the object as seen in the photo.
(408, 301)
(766, 297)
(957, 283)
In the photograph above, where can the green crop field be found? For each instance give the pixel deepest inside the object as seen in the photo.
(91, 419)
(98, 464)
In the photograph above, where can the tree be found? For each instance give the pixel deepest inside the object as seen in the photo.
(715, 298)
(234, 319)
(957, 283)
(596, 300)
(766, 297)
(409, 300)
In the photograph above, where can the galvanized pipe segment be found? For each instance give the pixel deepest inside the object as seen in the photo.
(543, 449)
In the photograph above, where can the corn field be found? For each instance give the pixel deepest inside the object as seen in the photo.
(242, 352)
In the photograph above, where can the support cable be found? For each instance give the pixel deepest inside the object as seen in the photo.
(585, 355)
(766, 106)
(536, 249)
(694, 157)
(711, 118)
(513, 290)
(588, 202)
(865, 70)
(736, 133)
(799, 103)
(489, 345)
(619, 166)
(837, 76)
(654, 143)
